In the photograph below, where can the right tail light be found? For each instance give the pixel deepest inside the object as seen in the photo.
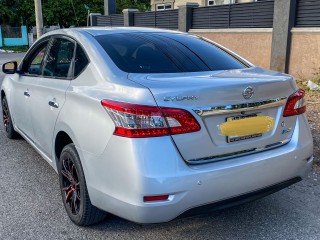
(295, 104)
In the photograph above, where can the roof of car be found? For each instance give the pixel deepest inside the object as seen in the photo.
(95, 31)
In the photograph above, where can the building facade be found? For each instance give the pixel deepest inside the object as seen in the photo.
(160, 5)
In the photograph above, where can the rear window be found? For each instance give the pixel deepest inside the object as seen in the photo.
(165, 53)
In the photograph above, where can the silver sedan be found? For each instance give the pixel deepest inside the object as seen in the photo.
(150, 124)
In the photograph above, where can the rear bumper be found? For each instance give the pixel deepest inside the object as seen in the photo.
(245, 198)
(130, 169)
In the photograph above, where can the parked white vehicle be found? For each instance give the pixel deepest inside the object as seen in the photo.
(150, 124)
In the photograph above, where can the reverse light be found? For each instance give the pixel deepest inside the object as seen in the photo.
(155, 198)
(295, 104)
(138, 121)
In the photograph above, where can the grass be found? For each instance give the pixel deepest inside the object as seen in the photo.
(18, 60)
(16, 48)
(302, 82)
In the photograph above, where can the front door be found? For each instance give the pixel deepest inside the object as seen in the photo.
(23, 86)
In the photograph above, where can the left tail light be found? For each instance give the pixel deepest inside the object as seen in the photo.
(295, 104)
(138, 121)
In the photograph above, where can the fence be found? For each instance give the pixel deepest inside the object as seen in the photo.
(111, 20)
(308, 13)
(13, 36)
(248, 15)
(258, 14)
(164, 19)
(161, 19)
(11, 32)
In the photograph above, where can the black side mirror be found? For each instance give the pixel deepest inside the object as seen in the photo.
(10, 67)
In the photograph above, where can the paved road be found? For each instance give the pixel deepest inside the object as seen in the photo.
(6, 57)
(31, 208)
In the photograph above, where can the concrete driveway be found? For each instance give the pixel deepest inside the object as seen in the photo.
(31, 208)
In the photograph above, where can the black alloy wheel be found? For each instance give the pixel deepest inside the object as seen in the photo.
(74, 190)
(7, 121)
(71, 185)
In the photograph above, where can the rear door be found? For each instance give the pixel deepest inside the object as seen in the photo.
(50, 90)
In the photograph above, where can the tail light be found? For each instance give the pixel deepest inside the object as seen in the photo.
(138, 121)
(295, 104)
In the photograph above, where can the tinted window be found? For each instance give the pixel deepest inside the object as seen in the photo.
(165, 53)
(214, 57)
(80, 61)
(58, 61)
(33, 65)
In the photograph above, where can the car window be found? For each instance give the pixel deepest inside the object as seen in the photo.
(214, 57)
(59, 59)
(34, 64)
(165, 53)
(80, 61)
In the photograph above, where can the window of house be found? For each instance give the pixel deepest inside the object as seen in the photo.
(211, 2)
(164, 6)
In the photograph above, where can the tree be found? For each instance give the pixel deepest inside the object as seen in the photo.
(64, 13)
(142, 5)
(7, 15)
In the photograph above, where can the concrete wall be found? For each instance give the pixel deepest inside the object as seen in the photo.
(0, 37)
(305, 52)
(252, 44)
(255, 46)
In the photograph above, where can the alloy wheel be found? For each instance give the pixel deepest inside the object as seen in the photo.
(6, 115)
(71, 185)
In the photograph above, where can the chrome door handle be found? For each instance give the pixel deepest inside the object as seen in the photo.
(53, 104)
(26, 93)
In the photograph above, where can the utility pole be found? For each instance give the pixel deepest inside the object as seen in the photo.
(39, 19)
(109, 7)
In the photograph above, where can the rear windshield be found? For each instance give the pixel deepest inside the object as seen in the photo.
(165, 53)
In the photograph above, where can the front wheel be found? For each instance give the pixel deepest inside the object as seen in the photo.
(7, 121)
(74, 191)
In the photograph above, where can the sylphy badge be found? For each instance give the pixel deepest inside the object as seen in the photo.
(180, 98)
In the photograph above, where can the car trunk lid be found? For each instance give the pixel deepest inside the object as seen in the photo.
(217, 99)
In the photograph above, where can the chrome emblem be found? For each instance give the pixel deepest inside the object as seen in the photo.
(248, 93)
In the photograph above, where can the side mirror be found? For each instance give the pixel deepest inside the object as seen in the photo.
(10, 67)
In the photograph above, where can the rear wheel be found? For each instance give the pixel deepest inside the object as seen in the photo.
(74, 189)
(7, 121)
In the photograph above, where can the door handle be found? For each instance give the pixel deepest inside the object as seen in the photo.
(53, 103)
(26, 93)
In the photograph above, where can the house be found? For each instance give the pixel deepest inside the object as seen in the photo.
(160, 5)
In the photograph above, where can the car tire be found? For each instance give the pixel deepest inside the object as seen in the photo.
(74, 190)
(7, 120)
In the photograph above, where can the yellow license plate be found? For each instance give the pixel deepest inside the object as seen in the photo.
(246, 127)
